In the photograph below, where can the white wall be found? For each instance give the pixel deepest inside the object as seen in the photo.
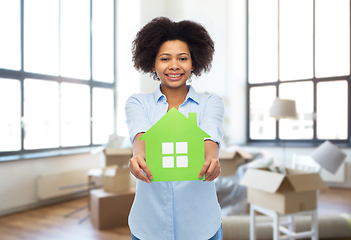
(18, 178)
(128, 79)
(235, 121)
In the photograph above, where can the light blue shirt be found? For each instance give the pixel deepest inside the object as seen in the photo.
(175, 210)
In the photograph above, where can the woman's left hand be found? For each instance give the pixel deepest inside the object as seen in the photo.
(211, 169)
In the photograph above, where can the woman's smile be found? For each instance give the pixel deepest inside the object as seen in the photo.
(174, 76)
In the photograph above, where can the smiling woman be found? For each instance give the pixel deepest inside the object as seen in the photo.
(172, 52)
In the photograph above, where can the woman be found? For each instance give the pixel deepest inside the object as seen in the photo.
(172, 52)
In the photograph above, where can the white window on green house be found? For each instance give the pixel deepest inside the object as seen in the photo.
(181, 148)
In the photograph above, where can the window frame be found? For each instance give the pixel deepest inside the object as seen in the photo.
(295, 142)
(21, 75)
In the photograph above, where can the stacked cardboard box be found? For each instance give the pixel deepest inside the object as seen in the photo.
(117, 156)
(116, 178)
(110, 210)
(110, 205)
(116, 175)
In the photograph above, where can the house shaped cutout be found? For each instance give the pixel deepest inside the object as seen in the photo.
(174, 147)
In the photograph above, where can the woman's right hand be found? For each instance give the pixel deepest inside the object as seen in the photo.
(138, 167)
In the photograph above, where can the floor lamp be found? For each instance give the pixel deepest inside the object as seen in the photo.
(283, 108)
(329, 156)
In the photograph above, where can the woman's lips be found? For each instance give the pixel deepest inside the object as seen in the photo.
(174, 76)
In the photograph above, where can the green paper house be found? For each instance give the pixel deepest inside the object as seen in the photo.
(174, 147)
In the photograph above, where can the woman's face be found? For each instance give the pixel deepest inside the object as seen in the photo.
(173, 64)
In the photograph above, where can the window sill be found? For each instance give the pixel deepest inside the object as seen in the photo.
(291, 144)
(52, 153)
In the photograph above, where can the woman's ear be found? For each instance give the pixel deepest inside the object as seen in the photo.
(153, 68)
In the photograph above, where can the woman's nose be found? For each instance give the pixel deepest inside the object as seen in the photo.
(173, 65)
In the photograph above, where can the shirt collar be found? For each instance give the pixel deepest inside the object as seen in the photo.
(192, 94)
(159, 96)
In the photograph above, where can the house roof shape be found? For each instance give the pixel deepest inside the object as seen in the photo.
(175, 123)
(172, 129)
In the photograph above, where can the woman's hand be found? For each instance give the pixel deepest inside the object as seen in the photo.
(137, 164)
(211, 167)
(138, 167)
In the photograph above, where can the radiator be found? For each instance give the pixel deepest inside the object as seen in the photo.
(62, 184)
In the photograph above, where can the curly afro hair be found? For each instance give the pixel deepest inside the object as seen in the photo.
(159, 30)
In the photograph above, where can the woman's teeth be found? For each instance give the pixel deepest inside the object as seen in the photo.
(170, 75)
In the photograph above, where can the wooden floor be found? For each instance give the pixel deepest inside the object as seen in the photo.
(334, 201)
(50, 222)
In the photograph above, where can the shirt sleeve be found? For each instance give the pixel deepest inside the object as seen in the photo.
(136, 116)
(212, 120)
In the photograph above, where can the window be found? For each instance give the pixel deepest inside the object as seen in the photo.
(181, 148)
(299, 50)
(10, 120)
(57, 79)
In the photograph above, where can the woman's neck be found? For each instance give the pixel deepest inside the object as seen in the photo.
(175, 96)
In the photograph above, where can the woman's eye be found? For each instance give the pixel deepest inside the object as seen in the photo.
(164, 59)
(183, 59)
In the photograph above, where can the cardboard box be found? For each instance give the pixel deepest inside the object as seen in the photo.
(117, 156)
(95, 180)
(230, 161)
(95, 177)
(116, 178)
(110, 210)
(294, 192)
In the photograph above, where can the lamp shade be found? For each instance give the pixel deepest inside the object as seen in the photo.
(329, 156)
(283, 108)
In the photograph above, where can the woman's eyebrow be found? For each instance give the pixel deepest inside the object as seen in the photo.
(168, 54)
